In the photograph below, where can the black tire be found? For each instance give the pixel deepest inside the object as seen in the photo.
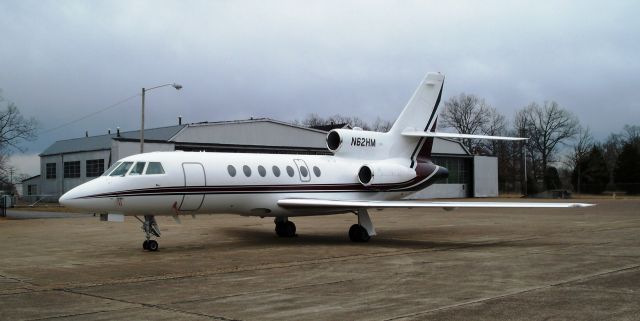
(152, 245)
(286, 229)
(357, 233)
(280, 229)
(145, 245)
(290, 229)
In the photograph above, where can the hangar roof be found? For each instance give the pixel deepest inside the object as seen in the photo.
(102, 142)
(250, 132)
(256, 132)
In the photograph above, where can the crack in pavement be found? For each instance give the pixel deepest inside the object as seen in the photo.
(515, 293)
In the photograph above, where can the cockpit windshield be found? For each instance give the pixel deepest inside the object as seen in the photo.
(137, 168)
(122, 169)
(154, 168)
(111, 168)
(131, 169)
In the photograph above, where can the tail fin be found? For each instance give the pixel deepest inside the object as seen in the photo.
(420, 114)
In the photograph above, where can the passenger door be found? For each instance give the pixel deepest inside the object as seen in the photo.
(303, 170)
(194, 180)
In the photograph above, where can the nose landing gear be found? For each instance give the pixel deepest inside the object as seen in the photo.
(150, 227)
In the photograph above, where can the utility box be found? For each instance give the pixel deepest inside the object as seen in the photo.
(485, 176)
(7, 201)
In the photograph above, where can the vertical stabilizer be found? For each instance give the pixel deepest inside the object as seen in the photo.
(420, 114)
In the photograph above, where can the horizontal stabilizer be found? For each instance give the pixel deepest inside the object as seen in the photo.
(320, 203)
(455, 135)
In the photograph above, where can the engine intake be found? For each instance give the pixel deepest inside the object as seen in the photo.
(359, 143)
(365, 175)
(384, 173)
(334, 141)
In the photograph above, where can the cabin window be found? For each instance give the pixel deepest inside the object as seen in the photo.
(290, 171)
(138, 168)
(111, 168)
(316, 171)
(122, 169)
(231, 170)
(262, 171)
(276, 171)
(247, 170)
(154, 168)
(304, 171)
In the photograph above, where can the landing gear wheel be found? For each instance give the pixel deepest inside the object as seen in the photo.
(286, 229)
(152, 245)
(357, 233)
(150, 228)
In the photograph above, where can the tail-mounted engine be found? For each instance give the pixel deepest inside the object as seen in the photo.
(348, 142)
(384, 173)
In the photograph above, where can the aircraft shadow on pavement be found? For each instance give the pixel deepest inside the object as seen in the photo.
(395, 239)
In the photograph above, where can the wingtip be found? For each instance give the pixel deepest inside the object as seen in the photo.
(583, 205)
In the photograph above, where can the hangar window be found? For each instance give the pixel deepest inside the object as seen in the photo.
(231, 170)
(290, 171)
(154, 168)
(122, 169)
(262, 171)
(276, 171)
(458, 167)
(51, 170)
(304, 171)
(247, 170)
(138, 168)
(94, 167)
(72, 169)
(111, 168)
(316, 171)
(32, 189)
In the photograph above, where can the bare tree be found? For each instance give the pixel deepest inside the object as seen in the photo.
(582, 146)
(467, 114)
(14, 129)
(495, 126)
(314, 120)
(612, 149)
(583, 143)
(381, 125)
(631, 134)
(547, 126)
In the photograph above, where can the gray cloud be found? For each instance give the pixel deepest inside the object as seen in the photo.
(285, 59)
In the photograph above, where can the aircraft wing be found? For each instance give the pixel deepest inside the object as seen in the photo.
(328, 204)
(455, 135)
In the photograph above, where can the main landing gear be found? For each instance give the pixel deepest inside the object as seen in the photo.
(150, 227)
(284, 227)
(364, 230)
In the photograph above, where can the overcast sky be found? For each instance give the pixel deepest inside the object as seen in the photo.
(61, 60)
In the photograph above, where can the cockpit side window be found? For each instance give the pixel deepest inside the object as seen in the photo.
(137, 168)
(122, 169)
(154, 168)
(111, 168)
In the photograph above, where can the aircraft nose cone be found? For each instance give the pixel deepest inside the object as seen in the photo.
(71, 198)
(63, 199)
(66, 199)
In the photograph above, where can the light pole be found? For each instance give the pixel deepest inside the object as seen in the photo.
(144, 90)
(523, 147)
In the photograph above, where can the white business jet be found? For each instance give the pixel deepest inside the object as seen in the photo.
(367, 170)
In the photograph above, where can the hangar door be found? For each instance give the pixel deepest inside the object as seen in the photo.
(193, 178)
(485, 176)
